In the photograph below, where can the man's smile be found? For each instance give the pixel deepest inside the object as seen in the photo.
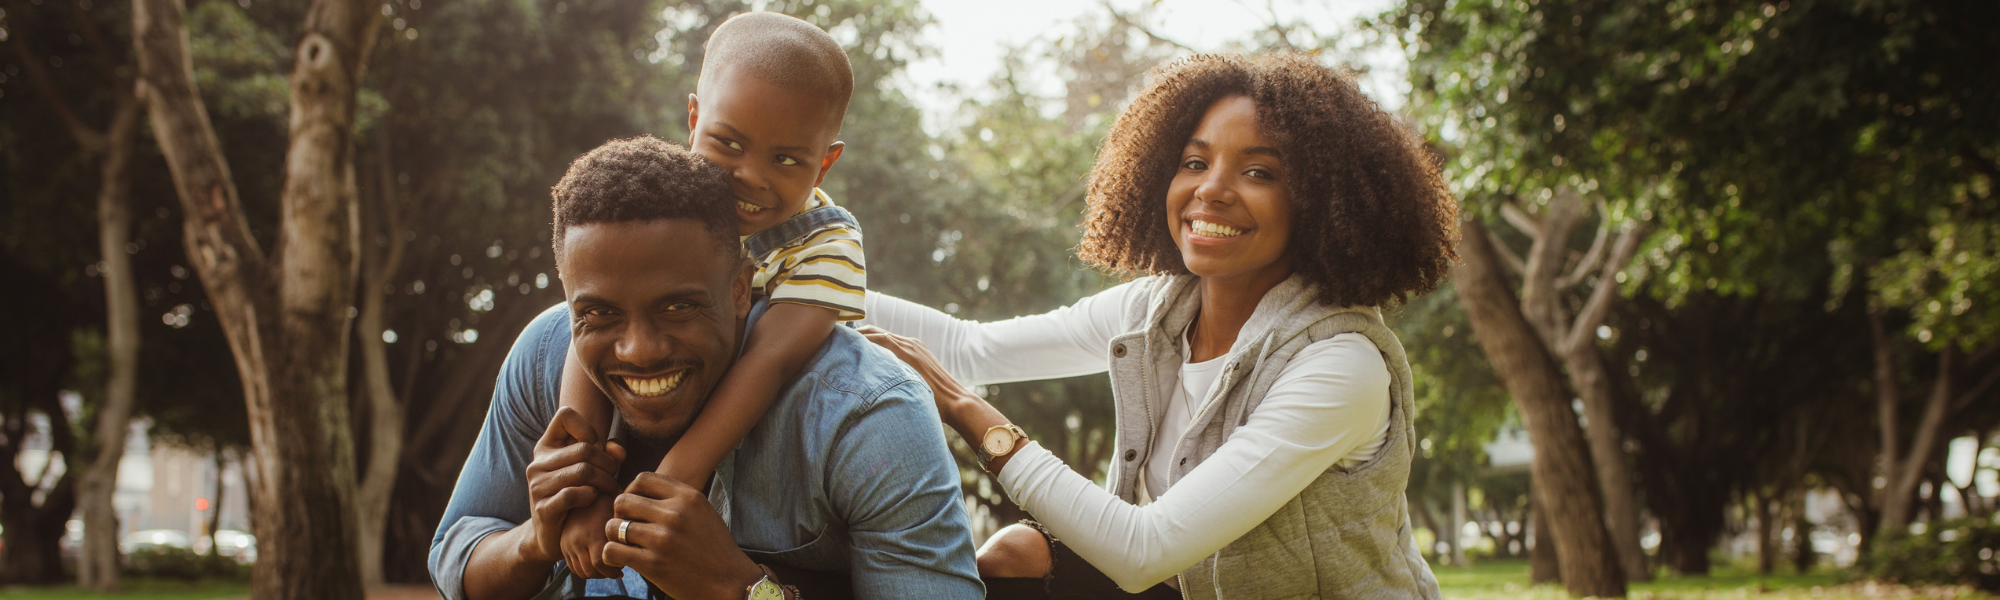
(653, 386)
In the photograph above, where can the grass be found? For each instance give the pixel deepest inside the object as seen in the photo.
(1509, 579)
(163, 589)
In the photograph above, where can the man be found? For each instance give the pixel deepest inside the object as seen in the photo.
(846, 479)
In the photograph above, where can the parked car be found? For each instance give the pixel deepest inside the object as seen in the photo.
(231, 543)
(154, 538)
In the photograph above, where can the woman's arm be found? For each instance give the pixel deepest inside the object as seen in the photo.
(1065, 342)
(1330, 402)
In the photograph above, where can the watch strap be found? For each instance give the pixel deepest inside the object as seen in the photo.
(791, 592)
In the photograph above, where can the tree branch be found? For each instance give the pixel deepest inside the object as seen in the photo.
(1128, 22)
(1599, 305)
(92, 140)
(1521, 220)
(1592, 257)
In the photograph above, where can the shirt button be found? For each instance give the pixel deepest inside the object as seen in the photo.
(1131, 454)
(1118, 351)
(1183, 461)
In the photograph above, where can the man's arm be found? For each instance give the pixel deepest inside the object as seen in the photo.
(481, 528)
(893, 480)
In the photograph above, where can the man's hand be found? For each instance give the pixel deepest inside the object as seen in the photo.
(583, 532)
(677, 541)
(571, 470)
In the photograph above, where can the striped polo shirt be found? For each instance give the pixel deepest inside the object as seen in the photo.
(813, 258)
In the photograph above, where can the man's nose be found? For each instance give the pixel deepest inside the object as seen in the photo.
(644, 345)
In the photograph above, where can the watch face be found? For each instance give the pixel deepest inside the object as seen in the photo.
(765, 589)
(998, 441)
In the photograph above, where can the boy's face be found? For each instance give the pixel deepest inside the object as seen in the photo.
(776, 143)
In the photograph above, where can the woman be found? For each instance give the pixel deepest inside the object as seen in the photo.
(1263, 433)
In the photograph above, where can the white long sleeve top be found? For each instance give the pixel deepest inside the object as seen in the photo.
(1329, 406)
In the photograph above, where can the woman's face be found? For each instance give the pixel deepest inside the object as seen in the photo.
(1227, 206)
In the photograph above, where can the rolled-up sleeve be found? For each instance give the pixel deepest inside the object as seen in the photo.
(492, 491)
(892, 479)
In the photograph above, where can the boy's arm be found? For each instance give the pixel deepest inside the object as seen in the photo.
(787, 336)
(583, 532)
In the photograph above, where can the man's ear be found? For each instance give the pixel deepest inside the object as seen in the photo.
(694, 115)
(825, 164)
(739, 288)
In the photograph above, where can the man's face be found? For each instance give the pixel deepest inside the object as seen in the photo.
(656, 308)
(777, 143)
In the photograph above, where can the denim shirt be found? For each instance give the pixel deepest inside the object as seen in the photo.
(847, 472)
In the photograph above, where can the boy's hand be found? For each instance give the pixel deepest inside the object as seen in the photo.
(583, 540)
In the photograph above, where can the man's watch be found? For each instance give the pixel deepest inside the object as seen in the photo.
(1000, 440)
(768, 588)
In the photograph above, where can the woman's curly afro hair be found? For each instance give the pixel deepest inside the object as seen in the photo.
(1374, 222)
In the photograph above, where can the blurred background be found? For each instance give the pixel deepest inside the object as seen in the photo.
(1756, 245)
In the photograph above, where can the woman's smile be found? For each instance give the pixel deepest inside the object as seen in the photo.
(1228, 204)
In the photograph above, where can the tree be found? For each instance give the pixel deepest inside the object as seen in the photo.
(111, 148)
(1565, 486)
(286, 313)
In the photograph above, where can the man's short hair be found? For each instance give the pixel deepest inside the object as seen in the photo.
(645, 179)
(783, 50)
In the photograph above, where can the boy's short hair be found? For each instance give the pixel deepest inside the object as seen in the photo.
(645, 179)
(783, 50)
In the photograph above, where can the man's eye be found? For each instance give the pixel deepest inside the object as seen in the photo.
(787, 160)
(679, 306)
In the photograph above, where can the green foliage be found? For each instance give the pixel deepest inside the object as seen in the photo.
(1950, 552)
(166, 562)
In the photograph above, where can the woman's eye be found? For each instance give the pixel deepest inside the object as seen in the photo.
(1261, 174)
(787, 160)
(1194, 164)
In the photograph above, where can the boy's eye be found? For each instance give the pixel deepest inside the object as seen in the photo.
(731, 144)
(787, 160)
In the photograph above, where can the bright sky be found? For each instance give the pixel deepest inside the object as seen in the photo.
(972, 35)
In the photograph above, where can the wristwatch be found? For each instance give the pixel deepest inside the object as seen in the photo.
(768, 588)
(1000, 440)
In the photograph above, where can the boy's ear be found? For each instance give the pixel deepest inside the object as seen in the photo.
(825, 164)
(694, 115)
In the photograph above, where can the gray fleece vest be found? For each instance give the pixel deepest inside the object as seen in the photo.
(1348, 534)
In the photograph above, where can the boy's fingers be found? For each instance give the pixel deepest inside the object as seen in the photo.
(616, 450)
(575, 427)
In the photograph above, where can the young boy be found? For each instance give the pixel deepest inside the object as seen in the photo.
(771, 96)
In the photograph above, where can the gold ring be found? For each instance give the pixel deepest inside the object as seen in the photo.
(623, 524)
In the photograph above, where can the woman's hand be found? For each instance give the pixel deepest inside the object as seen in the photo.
(946, 390)
(959, 408)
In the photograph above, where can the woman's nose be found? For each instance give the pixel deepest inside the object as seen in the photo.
(1215, 188)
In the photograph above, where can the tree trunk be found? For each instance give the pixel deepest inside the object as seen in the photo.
(1574, 343)
(1457, 533)
(1767, 533)
(286, 314)
(29, 552)
(97, 565)
(385, 411)
(1562, 470)
(1903, 470)
(1542, 567)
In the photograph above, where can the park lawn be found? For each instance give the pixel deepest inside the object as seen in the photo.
(135, 588)
(1509, 579)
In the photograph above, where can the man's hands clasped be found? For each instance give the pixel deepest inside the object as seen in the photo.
(573, 470)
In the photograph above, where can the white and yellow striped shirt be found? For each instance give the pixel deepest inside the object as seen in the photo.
(814, 259)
